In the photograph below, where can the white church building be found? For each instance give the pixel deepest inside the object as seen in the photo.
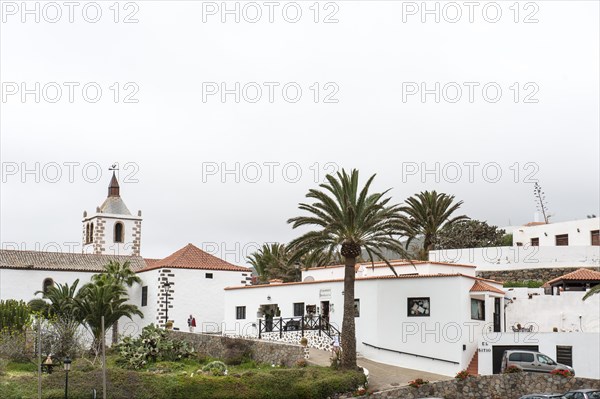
(188, 281)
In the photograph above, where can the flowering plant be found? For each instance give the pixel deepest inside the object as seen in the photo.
(564, 373)
(418, 382)
(462, 375)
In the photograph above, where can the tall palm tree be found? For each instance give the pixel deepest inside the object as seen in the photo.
(427, 213)
(348, 220)
(595, 290)
(121, 275)
(109, 300)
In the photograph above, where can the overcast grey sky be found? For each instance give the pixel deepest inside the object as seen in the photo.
(517, 98)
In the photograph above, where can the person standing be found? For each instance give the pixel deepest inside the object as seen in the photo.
(189, 322)
(193, 327)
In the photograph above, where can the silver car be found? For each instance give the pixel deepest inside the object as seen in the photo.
(583, 394)
(542, 396)
(531, 361)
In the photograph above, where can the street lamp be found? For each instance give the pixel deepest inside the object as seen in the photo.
(67, 366)
(166, 286)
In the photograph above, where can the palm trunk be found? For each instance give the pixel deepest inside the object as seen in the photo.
(115, 333)
(348, 343)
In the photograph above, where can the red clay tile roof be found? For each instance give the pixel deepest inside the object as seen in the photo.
(396, 262)
(192, 257)
(480, 286)
(388, 277)
(579, 275)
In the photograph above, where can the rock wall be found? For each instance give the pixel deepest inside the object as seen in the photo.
(529, 274)
(261, 351)
(500, 386)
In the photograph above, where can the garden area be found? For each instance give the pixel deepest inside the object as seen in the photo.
(154, 365)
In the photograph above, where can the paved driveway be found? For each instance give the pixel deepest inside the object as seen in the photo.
(381, 376)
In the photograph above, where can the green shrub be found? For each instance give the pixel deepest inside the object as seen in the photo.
(237, 351)
(3, 366)
(153, 344)
(215, 368)
(523, 284)
(14, 315)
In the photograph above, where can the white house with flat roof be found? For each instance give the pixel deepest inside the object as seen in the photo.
(429, 317)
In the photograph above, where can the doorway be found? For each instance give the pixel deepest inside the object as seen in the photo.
(325, 314)
(497, 315)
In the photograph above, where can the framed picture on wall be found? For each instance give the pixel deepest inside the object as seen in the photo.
(418, 307)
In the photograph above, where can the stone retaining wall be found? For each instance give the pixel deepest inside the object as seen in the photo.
(261, 351)
(529, 274)
(500, 386)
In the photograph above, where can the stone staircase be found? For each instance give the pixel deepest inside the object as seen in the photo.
(473, 368)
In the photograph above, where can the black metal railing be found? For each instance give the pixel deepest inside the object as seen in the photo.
(299, 323)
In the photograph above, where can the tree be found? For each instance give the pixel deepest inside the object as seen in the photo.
(273, 261)
(595, 290)
(427, 213)
(109, 300)
(469, 234)
(120, 275)
(348, 220)
(58, 306)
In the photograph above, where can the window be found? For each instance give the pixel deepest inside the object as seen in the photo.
(145, 295)
(562, 239)
(118, 237)
(47, 284)
(564, 355)
(418, 307)
(208, 275)
(87, 233)
(543, 359)
(477, 309)
(240, 312)
(535, 242)
(299, 309)
(519, 244)
(595, 237)
(527, 357)
(356, 307)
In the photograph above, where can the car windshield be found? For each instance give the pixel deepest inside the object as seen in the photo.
(594, 395)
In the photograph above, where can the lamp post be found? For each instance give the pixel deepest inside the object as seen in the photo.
(67, 366)
(166, 286)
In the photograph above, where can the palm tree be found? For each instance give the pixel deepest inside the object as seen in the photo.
(273, 261)
(595, 290)
(120, 275)
(109, 300)
(427, 213)
(59, 305)
(348, 220)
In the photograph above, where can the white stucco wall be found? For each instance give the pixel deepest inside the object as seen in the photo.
(366, 270)
(526, 257)
(547, 232)
(548, 311)
(22, 284)
(194, 293)
(383, 320)
(586, 349)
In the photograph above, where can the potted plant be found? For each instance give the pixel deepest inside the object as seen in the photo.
(169, 325)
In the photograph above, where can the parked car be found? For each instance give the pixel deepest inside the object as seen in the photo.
(583, 394)
(531, 361)
(542, 396)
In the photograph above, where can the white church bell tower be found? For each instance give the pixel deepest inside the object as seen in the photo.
(112, 230)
